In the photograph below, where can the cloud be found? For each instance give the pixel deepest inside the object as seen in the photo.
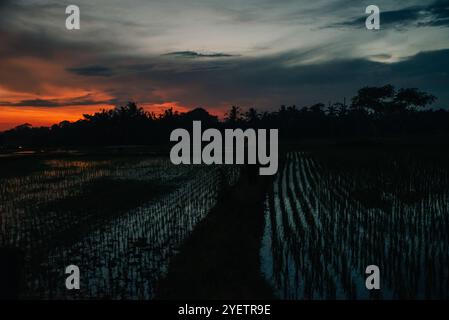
(265, 82)
(281, 79)
(92, 71)
(53, 103)
(193, 54)
(435, 14)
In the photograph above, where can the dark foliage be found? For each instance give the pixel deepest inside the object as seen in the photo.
(375, 112)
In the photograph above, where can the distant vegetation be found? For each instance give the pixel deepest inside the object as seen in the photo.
(374, 112)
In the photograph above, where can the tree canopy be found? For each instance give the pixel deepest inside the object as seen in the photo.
(374, 111)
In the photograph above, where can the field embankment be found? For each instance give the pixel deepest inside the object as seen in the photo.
(220, 260)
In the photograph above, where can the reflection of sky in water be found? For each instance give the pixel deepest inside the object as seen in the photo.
(318, 241)
(120, 255)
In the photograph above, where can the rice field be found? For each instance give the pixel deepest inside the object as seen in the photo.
(120, 221)
(330, 216)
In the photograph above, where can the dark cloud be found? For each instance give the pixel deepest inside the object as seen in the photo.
(53, 103)
(92, 71)
(138, 67)
(440, 14)
(383, 56)
(435, 14)
(270, 81)
(193, 54)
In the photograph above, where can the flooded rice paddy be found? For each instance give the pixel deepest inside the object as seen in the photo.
(120, 221)
(327, 219)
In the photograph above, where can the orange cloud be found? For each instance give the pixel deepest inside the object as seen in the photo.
(158, 108)
(12, 114)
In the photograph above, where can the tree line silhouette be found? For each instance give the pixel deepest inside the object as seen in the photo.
(375, 112)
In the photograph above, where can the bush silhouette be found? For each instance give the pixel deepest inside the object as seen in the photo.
(373, 112)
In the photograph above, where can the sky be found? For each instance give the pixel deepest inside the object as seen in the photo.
(212, 54)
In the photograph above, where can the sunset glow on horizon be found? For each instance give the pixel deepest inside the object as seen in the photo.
(46, 117)
(42, 116)
(12, 117)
